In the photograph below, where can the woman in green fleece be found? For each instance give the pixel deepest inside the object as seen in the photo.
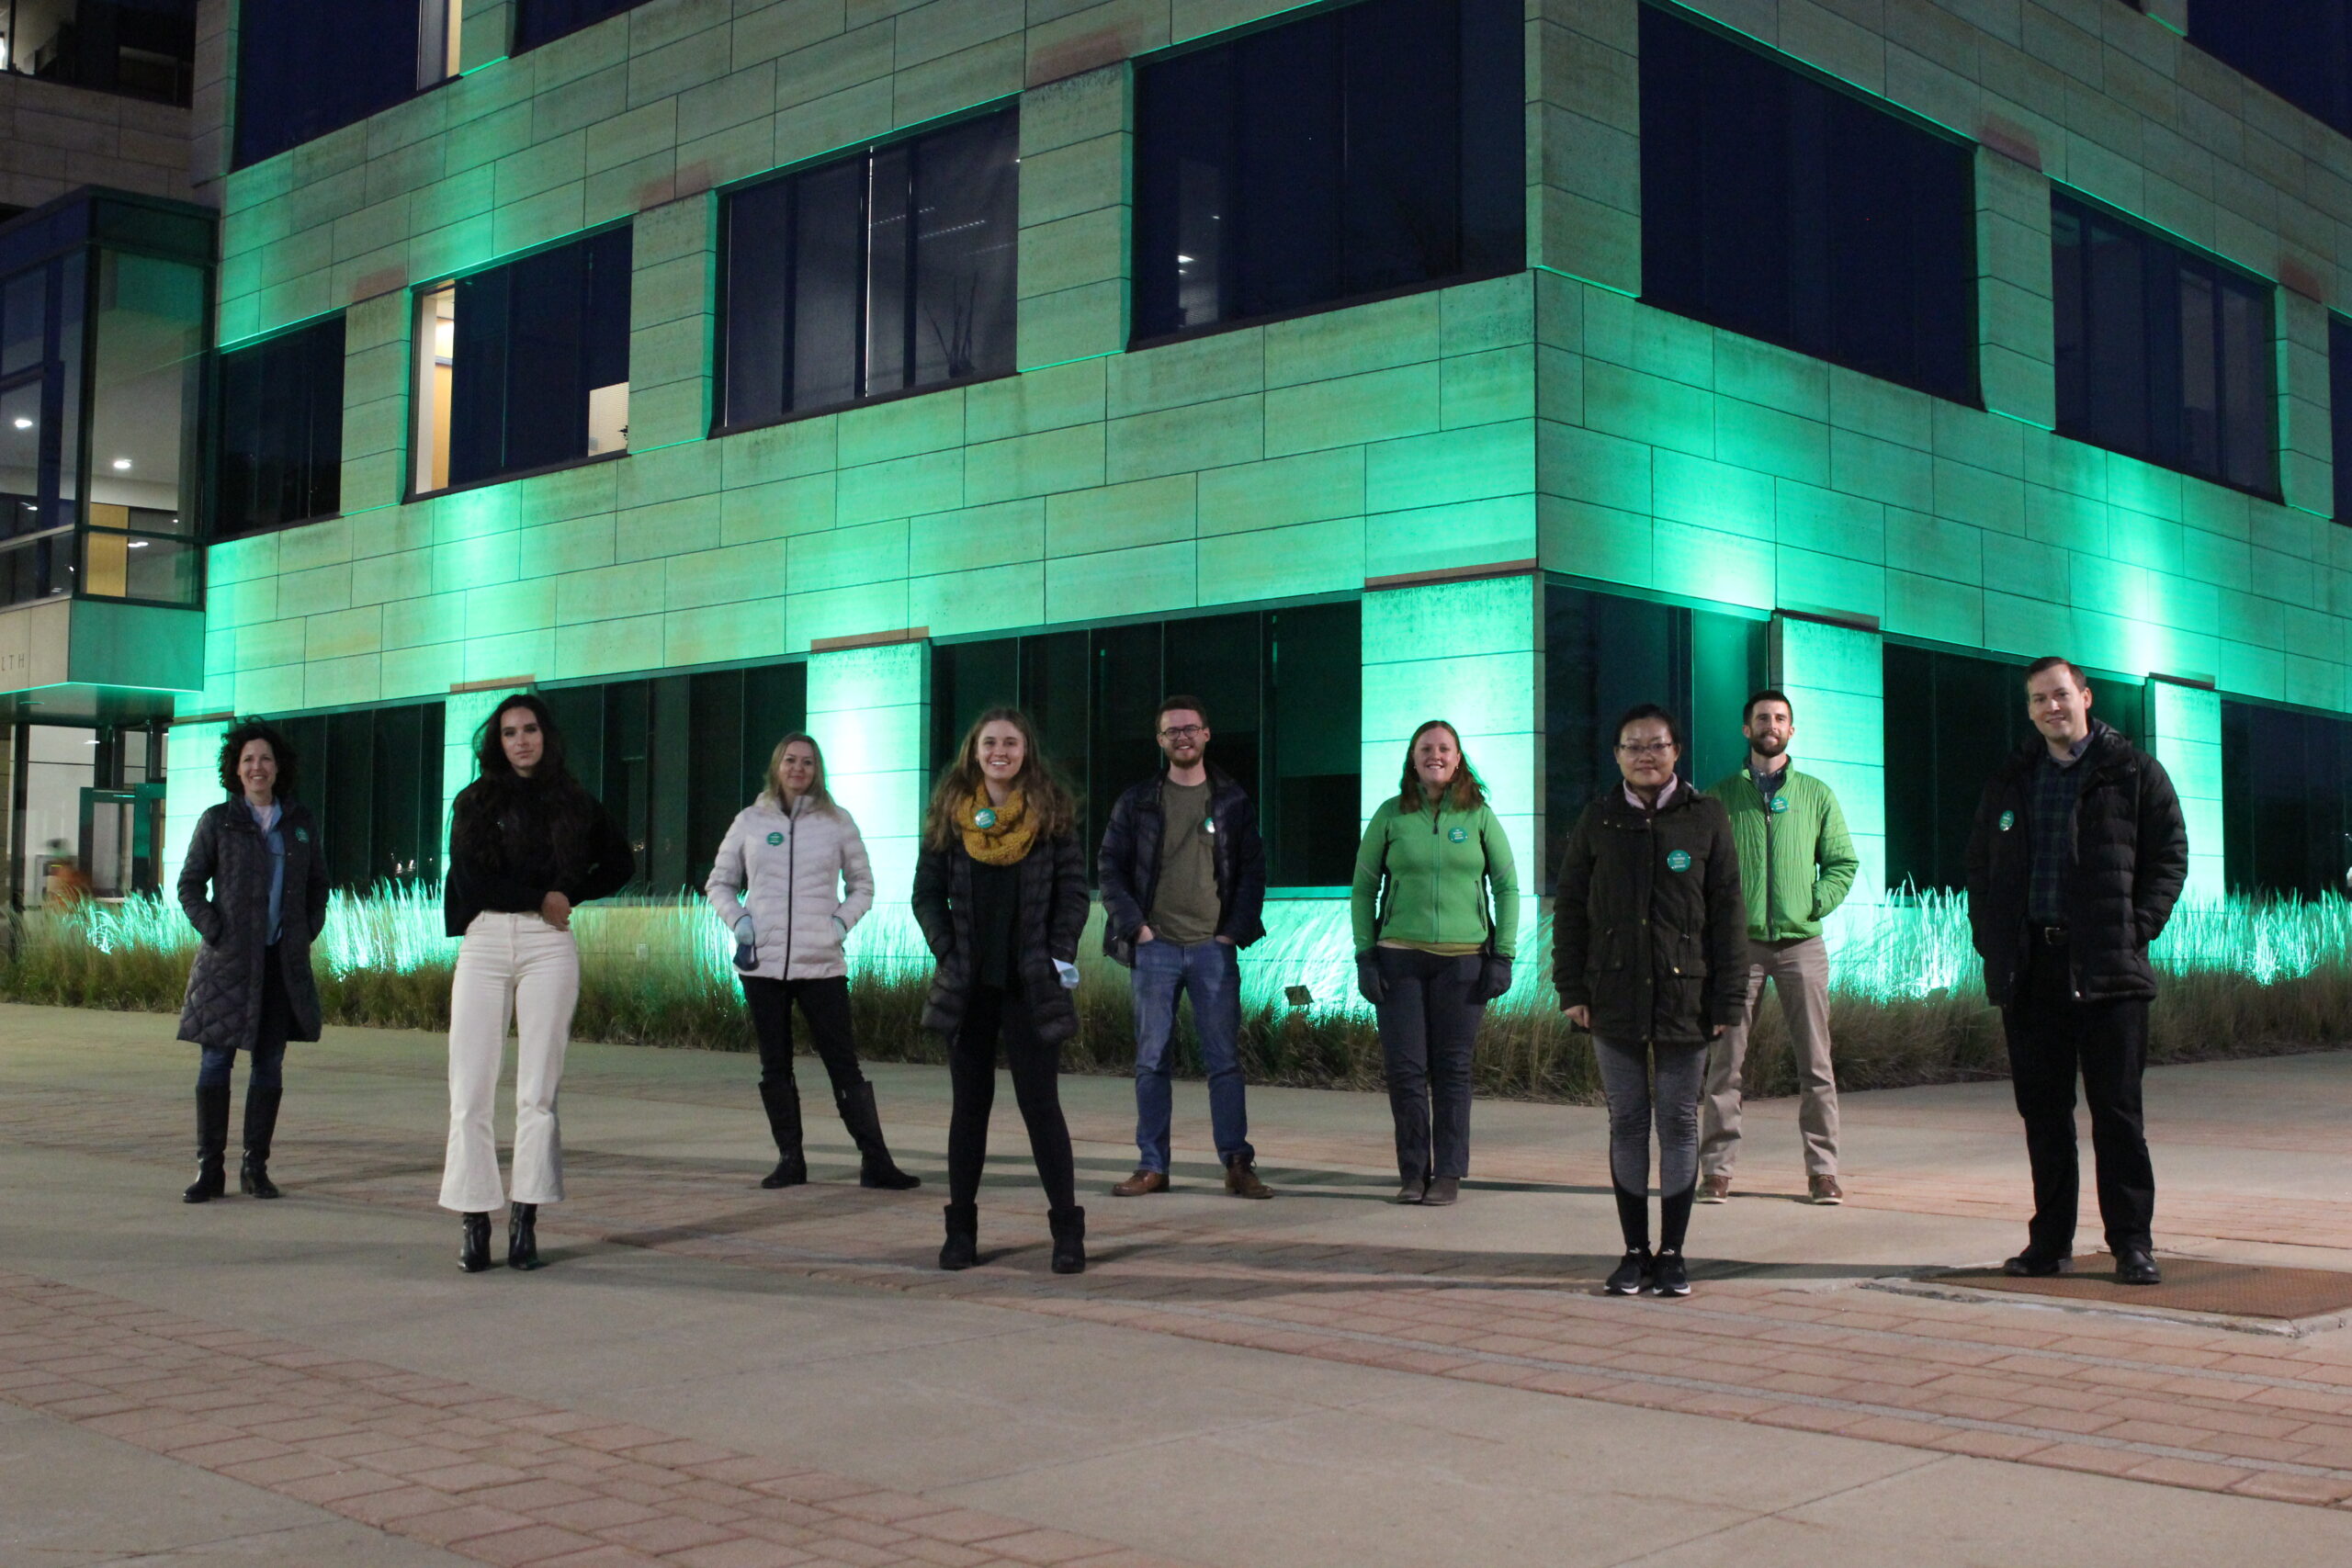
(1430, 955)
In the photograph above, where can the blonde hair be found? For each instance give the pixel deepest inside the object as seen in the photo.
(1045, 795)
(820, 798)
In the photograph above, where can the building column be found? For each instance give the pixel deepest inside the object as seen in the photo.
(2015, 363)
(1472, 654)
(870, 709)
(2185, 735)
(1836, 679)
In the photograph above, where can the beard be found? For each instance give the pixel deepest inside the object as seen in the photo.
(1768, 745)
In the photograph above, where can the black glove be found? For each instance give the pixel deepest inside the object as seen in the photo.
(1370, 984)
(1494, 978)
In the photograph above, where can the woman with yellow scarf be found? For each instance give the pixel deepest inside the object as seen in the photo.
(1000, 894)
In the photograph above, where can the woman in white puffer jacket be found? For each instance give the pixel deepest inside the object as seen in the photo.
(800, 860)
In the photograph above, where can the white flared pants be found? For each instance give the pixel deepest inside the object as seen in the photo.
(518, 969)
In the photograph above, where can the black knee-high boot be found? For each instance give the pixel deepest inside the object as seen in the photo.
(875, 1166)
(212, 1144)
(783, 1102)
(261, 1126)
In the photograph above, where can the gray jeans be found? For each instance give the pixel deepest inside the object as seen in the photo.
(1800, 973)
(1625, 1082)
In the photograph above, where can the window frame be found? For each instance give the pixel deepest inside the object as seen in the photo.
(214, 395)
(723, 281)
(1139, 63)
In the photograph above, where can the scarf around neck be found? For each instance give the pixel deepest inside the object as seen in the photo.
(997, 835)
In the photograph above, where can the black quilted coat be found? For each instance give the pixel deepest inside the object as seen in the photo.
(223, 1005)
(2131, 859)
(1052, 917)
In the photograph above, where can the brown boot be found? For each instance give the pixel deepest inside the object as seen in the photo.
(1141, 1182)
(1714, 1188)
(1241, 1180)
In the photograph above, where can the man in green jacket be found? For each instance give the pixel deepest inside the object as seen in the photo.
(1797, 863)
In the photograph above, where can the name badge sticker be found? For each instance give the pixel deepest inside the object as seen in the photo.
(1208, 825)
(302, 835)
(1678, 861)
(776, 838)
(2008, 820)
(1459, 835)
(1779, 804)
(984, 818)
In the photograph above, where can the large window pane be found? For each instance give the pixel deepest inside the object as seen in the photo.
(525, 365)
(2287, 800)
(2301, 50)
(305, 68)
(884, 272)
(1777, 206)
(374, 779)
(2339, 380)
(1367, 149)
(538, 21)
(146, 368)
(2163, 354)
(279, 423)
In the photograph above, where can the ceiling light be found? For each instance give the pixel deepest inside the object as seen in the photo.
(24, 424)
(1183, 258)
(122, 463)
(136, 545)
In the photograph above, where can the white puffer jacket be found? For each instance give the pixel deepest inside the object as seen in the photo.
(802, 871)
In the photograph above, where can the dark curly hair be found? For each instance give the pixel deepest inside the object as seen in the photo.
(244, 733)
(501, 802)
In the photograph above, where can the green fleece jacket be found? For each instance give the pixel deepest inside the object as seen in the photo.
(1439, 868)
(1796, 859)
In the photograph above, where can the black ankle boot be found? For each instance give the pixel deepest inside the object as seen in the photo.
(875, 1166)
(962, 1249)
(211, 1145)
(523, 1236)
(473, 1256)
(1069, 1239)
(783, 1102)
(261, 1126)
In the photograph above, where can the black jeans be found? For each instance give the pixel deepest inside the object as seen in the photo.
(2051, 1036)
(1428, 1029)
(990, 1013)
(267, 1052)
(825, 1004)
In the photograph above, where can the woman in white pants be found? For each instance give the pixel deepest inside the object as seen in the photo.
(526, 844)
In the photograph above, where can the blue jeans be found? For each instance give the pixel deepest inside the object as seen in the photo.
(1211, 971)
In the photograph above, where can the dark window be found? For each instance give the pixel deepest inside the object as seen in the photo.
(1778, 206)
(137, 48)
(374, 781)
(2339, 385)
(1365, 150)
(1284, 693)
(41, 329)
(278, 432)
(535, 370)
(540, 21)
(1601, 655)
(304, 68)
(675, 757)
(2162, 353)
(2286, 800)
(879, 274)
(1952, 722)
(2301, 50)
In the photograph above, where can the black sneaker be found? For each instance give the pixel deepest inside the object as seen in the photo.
(1667, 1275)
(1630, 1275)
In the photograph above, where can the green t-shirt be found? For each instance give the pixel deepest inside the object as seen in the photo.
(1183, 902)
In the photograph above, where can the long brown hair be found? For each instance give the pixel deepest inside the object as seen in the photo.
(772, 782)
(1043, 793)
(1463, 792)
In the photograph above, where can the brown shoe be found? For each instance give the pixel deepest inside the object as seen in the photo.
(1715, 1190)
(1825, 1191)
(1241, 1180)
(1141, 1182)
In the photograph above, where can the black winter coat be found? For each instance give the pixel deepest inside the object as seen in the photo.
(520, 883)
(2130, 859)
(223, 1005)
(1128, 867)
(1649, 928)
(1052, 916)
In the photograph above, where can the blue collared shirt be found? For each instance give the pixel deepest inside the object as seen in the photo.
(2050, 820)
(273, 837)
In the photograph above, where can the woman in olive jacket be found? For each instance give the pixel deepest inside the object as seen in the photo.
(1430, 954)
(251, 987)
(1649, 941)
(1000, 895)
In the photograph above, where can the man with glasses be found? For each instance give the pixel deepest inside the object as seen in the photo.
(1184, 878)
(1797, 863)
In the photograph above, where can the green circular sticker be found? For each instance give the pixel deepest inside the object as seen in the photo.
(302, 835)
(2008, 820)
(776, 838)
(1459, 835)
(984, 818)
(1678, 861)
(1779, 804)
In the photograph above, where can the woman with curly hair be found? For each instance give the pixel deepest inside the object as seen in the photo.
(1000, 894)
(528, 843)
(250, 988)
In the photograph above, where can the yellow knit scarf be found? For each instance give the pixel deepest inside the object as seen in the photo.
(997, 835)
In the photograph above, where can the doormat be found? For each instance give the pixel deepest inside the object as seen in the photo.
(2190, 1285)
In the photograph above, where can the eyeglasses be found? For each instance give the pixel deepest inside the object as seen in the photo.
(1644, 748)
(1184, 732)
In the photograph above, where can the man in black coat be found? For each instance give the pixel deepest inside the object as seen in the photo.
(1183, 876)
(2078, 855)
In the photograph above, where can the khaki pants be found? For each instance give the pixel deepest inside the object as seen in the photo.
(1800, 973)
(518, 967)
